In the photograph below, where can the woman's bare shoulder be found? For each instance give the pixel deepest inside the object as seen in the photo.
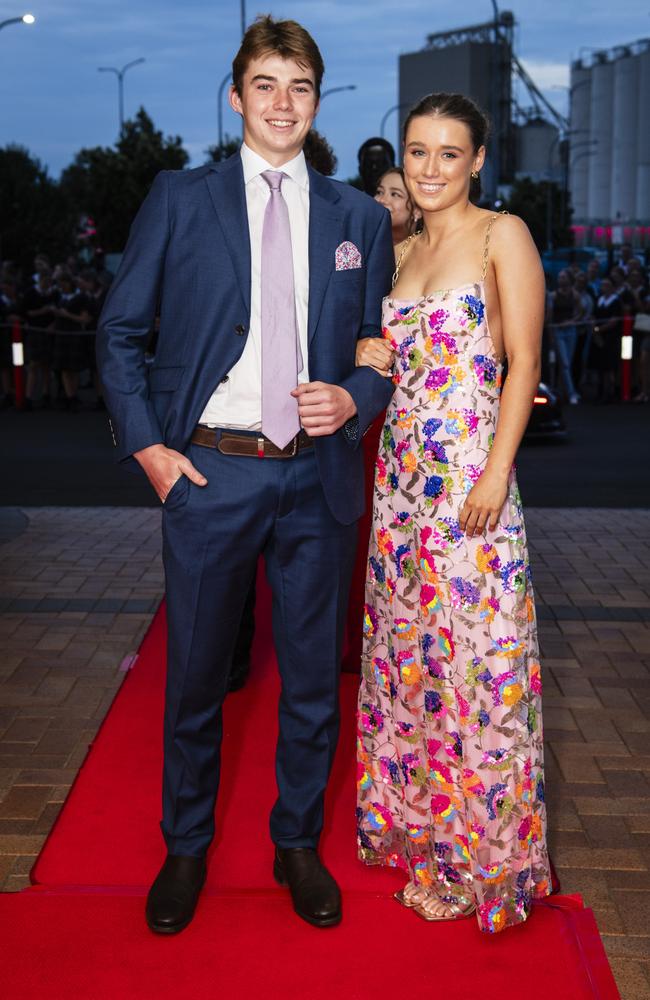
(510, 230)
(513, 252)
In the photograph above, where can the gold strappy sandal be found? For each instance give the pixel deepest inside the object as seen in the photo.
(457, 899)
(404, 897)
(455, 907)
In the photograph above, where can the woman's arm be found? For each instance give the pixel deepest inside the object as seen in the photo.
(520, 286)
(373, 351)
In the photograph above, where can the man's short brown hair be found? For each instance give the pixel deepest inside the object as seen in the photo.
(288, 38)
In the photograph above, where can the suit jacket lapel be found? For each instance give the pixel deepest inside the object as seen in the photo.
(325, 234)
(226, 186)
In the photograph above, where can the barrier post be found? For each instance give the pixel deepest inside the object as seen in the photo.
(18, 358)
(626, 358)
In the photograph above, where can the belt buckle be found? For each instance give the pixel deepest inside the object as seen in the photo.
(260, 447)
(294, 449)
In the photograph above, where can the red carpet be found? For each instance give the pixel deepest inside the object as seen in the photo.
(96, 947)
(80, 931)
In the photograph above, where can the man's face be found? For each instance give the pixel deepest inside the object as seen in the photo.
(278, 104)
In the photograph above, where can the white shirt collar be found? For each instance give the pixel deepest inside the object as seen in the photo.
(254, 165)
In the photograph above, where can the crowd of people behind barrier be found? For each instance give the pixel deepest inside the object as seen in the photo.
(585, 324)
(58, 308)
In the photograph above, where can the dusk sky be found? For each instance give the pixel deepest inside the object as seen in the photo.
(54, 101)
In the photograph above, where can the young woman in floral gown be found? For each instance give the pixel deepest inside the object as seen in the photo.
(450, 766)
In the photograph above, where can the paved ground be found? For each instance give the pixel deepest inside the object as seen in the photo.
(77, 590)
(66, 459)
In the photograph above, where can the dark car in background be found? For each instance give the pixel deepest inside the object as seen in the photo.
(546, 419)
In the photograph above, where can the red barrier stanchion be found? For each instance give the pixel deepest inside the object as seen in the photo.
(626, 359)
(18, 357)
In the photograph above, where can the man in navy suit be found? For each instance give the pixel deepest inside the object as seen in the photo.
(265, 274)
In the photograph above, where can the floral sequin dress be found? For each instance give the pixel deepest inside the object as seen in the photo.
(450, 758)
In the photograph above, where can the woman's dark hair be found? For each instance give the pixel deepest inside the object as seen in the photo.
(461, 109)
(319, 154)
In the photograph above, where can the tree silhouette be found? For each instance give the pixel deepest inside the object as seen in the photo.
(217, 153)
(34, 213)
(529, 200)
(110, 183)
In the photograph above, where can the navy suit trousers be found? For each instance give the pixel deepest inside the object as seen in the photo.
(212, 538)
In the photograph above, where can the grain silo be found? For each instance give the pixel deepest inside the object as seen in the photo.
(642, 211)
(601, 111)
(581, 146)
(624, 137)
(609, 159)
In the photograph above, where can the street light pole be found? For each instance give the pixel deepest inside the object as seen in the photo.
(242, 11)
(577, 145)
(336, 90)
(24, 19)
(495, 81)
(387, 114)
(560, 137)
(119, 73)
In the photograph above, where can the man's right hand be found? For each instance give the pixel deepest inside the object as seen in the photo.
(164, 467)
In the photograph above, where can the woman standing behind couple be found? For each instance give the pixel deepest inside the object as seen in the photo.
(450, 736)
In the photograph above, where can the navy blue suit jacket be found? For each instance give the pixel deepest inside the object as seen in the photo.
(188, 254)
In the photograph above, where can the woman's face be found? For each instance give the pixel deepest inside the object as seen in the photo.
(439, 158)
(392, 194)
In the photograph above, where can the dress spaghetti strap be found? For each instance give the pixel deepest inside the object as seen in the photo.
(401, 258)
(486, 249)
(486, 244)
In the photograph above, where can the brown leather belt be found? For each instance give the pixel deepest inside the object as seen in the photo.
(230, 442)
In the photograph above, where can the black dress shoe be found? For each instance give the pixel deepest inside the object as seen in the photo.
(316, 896)
(173, 897)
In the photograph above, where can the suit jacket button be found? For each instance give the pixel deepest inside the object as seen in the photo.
(240, 329)
(224, 379)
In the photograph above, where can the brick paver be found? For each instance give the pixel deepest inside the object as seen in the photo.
(78, 588)
(77, 591)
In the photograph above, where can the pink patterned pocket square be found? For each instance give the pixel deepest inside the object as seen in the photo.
(347, 256)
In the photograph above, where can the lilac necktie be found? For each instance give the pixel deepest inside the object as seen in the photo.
(281, 359)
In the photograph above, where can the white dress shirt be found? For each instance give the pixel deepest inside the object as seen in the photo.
(237, 402)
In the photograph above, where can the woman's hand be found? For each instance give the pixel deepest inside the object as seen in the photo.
(483, 504)
(377, 354)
